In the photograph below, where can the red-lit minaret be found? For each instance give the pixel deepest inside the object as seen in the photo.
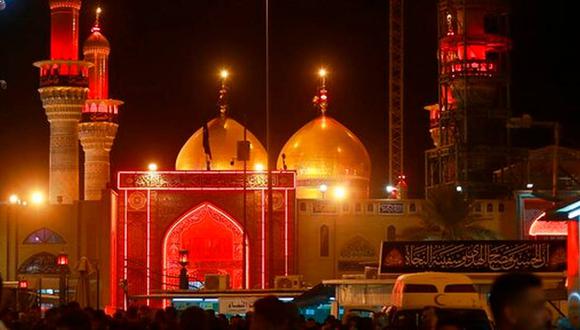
(468, 125)
(63, 90)
(98, 126)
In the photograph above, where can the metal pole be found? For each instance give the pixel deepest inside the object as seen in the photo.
(16, 241)
(8, 242)
(183, 279)
(244, 213)
(40, 294)
(18, 296)
(98, 285)
(268, 148)
(61, 286)
(555, 160)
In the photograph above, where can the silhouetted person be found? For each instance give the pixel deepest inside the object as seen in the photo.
(429, 318)
(171, 317)
(159, 321)
(194, 318)
(449, 324)
(272, 314)
(517, 302)
(73, 318)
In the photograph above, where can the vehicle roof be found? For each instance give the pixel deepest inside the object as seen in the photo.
(430, 277)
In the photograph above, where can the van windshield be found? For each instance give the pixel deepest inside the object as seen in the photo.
(468, 319)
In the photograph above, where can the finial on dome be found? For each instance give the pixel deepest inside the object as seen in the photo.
(222, 99)
(321, 100)
(96, 27)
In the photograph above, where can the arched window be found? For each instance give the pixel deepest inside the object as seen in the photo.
(44, 236)
(324, 241)
(489, 208)
(391, 233)
(40, 263)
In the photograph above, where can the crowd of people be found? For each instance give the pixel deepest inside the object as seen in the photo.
(517, 302)
(270, 313)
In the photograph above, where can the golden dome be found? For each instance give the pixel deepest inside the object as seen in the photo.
(325, 152)
(224, 134)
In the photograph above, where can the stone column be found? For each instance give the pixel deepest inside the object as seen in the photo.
(97, 140)
(63, 107)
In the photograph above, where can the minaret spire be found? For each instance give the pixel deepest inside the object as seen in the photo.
(97, 27)
(321, 100)
(99, 122)
(222, 99)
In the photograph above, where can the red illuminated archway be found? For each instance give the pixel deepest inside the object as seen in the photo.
(214, 240)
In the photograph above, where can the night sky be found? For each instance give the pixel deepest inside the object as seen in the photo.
(166, 56)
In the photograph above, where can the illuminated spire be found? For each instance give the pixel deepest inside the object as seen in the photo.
(321, 100)
(96, 27)
(222, 99)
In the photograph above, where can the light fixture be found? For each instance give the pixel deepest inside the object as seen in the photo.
(259, 167)
(152, 167)
(459, 189)
(390, 189)
(530, 186)
(13, 199)
(322, 72)
(183, 257)
(37, 198)
(62, 259)
(224, 74)
(339, 192)
(323, 188)
(183, 277)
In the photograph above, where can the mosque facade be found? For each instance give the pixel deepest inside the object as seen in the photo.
(313, 219)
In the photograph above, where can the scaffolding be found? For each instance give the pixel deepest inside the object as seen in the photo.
(396, 91)
(468, 125)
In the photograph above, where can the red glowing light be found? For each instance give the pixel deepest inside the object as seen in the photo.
(64, 32)
(23, 284)
(209, 233)
(573, 249)
(62, 259)
(183, 257)
(548, 228)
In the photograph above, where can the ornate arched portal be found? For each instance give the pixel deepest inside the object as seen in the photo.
(214, 240)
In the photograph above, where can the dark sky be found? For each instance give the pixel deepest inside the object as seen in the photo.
(166, 55)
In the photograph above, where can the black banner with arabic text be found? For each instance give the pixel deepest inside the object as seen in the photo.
(473, 256)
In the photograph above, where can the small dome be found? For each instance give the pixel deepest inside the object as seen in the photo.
(96, 41)
(325, 152)
(224, 134)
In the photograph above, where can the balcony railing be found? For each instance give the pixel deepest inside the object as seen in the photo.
(63, 73)
(101, 110)
(64, 80)
(469, 68)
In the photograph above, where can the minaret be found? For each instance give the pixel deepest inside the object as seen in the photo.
(468, 124)
(63, 91)
(98, 125)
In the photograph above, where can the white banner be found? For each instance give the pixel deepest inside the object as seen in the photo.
(240, 305)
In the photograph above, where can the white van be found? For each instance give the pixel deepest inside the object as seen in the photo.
(452, 295)
(419, 290)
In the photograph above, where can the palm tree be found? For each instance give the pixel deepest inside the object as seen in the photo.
(447, 215)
